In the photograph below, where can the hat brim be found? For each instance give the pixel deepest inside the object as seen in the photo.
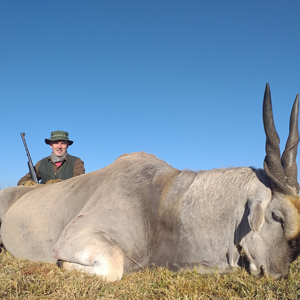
(48, 141)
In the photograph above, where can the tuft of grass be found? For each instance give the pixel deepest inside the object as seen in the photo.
(21, 279)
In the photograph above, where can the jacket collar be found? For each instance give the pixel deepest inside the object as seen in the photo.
(65, 159)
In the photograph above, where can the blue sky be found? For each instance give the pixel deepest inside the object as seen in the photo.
(183, 80)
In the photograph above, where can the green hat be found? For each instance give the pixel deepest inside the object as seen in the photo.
(58, 136)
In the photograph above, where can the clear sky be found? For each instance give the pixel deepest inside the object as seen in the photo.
(183, 80)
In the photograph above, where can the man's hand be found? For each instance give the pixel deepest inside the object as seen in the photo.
(28, 183)
(51, 181)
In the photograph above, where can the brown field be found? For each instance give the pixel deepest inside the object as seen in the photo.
(21, 279)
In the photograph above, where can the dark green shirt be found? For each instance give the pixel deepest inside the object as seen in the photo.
(64, 171)
(72, 166)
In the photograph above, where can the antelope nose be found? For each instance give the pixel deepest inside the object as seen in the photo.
(264, 272)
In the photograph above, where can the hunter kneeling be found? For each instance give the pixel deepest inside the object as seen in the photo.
(59, 165)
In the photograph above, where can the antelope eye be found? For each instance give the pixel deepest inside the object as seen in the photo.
(278, 219)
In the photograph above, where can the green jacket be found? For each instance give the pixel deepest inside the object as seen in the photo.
(46, 169)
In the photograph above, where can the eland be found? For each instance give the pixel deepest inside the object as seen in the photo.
(139, 211)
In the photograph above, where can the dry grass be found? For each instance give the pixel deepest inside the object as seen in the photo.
(20, 279)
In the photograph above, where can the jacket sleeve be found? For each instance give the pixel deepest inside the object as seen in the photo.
(78, 168)
(28, 176)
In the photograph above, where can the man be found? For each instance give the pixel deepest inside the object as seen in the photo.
(59, 165)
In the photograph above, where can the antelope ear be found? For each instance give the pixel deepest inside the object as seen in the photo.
(256, 216)
(257, 204)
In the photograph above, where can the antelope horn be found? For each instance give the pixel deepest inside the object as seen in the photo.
(288, 158)
(272, 163)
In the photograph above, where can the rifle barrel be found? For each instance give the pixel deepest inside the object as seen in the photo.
(30, 164)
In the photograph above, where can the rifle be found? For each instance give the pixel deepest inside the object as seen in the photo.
(30, 164)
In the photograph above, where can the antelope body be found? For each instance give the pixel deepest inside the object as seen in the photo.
(140, 211)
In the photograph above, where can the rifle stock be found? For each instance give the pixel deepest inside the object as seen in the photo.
(30, 164)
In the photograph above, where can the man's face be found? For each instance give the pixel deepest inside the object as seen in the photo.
(59, 148)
